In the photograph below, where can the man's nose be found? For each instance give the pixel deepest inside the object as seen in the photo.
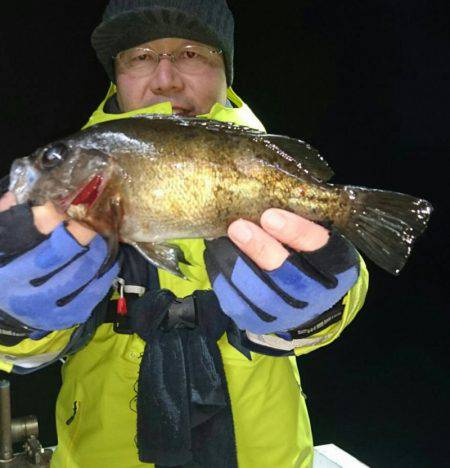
(166, 78)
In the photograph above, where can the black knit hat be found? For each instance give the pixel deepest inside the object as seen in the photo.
(128, 23)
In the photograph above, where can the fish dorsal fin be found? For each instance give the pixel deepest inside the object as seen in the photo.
(306, 157)
(208, 124)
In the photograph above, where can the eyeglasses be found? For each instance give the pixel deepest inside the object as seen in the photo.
(187, 59)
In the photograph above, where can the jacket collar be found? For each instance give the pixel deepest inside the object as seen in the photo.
(239, 115)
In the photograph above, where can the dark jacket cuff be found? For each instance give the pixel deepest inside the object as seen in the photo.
(322, 265)
(18, 233)
(12, 331)
(336, 256)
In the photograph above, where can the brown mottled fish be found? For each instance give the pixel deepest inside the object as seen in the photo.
(149, 179)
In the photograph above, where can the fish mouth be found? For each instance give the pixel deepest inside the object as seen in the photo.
(22, 177)
(87, 194)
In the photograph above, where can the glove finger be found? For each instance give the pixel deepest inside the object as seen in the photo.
(40, 310)
(77, 270)
(288, 293)
(314, 297)
(220, 272)
(59, 249)
(234, 304)
(81, 306)
(222, 257)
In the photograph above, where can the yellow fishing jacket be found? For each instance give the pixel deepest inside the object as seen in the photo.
(95, 410)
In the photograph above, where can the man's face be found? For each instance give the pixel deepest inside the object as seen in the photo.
(190, 93)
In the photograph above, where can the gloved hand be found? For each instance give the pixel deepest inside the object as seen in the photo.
(52, 281)
(303, 287)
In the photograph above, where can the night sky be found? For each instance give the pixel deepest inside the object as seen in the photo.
(365, 82)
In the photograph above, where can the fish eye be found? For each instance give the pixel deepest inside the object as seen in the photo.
(54, 155)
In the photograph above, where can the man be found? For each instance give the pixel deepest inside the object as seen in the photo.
(214, 357)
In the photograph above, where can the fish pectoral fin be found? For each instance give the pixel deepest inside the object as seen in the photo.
(173, 250)
(304, 155)
(162, 255)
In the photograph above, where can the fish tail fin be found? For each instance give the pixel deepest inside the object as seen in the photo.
(384, 225)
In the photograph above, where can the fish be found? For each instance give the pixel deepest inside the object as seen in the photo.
(149, 179)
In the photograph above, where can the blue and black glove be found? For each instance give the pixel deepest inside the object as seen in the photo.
(302, 288)
(52, 281)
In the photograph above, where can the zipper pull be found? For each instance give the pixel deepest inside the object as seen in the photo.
(121, 302)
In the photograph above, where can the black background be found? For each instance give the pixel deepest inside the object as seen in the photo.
(366, 82)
